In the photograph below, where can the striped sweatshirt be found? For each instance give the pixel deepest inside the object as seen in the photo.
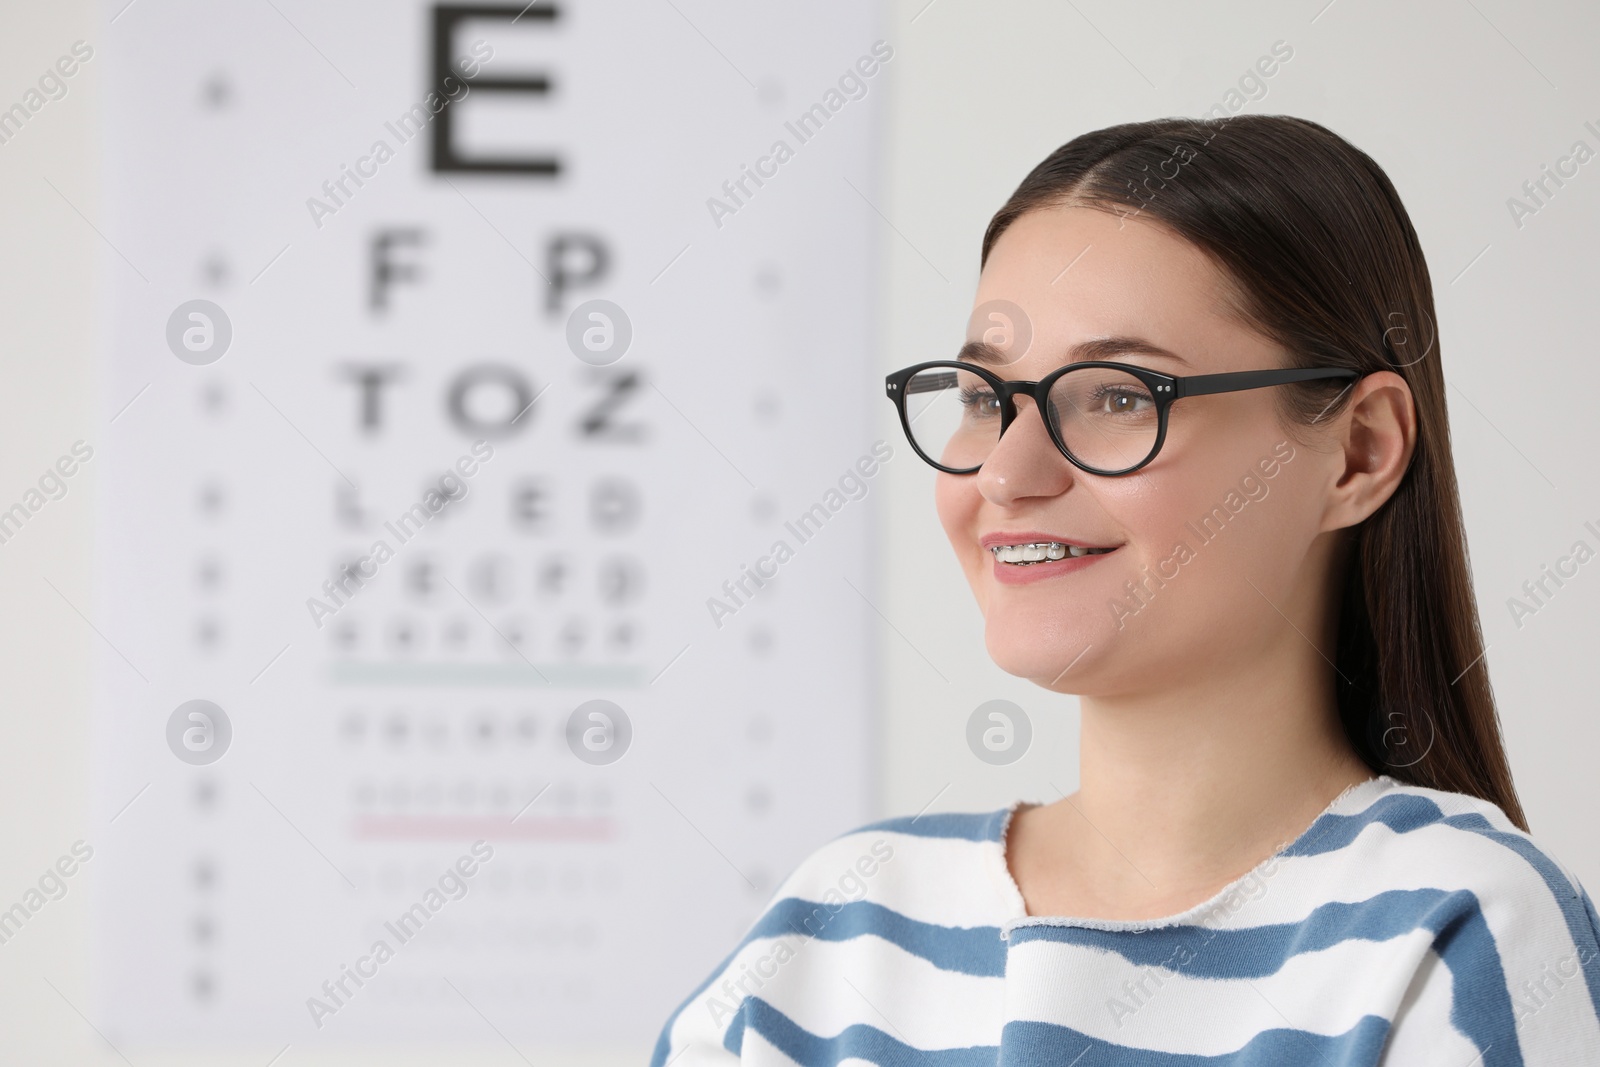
(1406, 927)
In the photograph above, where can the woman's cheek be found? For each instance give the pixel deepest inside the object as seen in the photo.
(956, 507)
(1164, 547)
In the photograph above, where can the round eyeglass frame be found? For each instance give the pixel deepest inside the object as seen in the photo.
(1164, 390)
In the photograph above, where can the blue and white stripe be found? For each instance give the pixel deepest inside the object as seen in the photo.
(1406, 926)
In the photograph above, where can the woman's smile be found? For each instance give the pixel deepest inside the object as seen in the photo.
(1053, 565)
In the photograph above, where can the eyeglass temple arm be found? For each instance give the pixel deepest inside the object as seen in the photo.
(1233, 381)
(929, 383)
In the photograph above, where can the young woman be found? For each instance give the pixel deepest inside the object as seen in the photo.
(1195, 463)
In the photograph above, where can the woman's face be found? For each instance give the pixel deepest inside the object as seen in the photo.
(1211, 539)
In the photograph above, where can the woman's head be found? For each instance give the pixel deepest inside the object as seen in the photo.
(1323, 512)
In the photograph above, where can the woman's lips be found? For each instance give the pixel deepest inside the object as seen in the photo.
(1024, 573)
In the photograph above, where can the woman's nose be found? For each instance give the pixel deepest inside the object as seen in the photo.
(1025, 462)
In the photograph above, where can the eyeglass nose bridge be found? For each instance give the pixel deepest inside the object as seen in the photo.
(1007, 394)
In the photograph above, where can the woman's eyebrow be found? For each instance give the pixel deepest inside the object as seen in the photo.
(983, 352)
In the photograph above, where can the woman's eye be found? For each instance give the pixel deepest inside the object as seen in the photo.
(980, 403)
(1124, 402)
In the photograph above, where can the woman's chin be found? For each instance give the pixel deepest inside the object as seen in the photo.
(1049, 651)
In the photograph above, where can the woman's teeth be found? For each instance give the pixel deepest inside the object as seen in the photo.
(1042, 551)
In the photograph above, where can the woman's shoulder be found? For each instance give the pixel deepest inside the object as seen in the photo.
(1516, 932)
(936, 868)
(1457, 862)
(914, 897)
(1463, 840)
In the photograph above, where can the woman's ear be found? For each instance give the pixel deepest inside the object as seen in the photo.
(1377, 434)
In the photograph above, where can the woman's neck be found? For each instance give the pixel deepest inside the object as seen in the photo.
(1195, 787)
(1181, 793)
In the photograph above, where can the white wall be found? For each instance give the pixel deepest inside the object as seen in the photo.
(1460, 103)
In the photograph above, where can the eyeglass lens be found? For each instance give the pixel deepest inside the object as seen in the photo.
(1106, 418)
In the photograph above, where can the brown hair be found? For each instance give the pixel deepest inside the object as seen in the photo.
(1325, 262)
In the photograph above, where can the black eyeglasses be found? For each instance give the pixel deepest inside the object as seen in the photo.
(1107, 418)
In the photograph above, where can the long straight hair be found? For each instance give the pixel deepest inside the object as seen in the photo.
(1326, 263)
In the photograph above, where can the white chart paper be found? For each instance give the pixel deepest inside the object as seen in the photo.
(402, 341)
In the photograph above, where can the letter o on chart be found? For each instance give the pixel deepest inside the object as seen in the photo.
(519, 396)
